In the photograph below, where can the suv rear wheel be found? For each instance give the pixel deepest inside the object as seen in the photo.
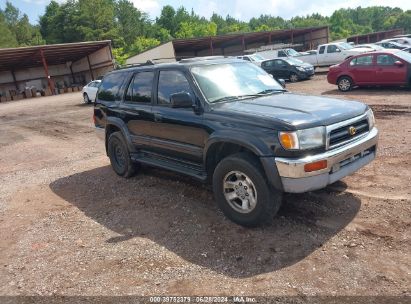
(119, 155)
(242, 193)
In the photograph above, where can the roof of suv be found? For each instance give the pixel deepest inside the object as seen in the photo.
(185, 62)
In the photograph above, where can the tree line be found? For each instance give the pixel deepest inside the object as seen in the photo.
(132, 31)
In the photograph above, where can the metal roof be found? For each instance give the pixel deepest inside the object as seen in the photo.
(230, 39)
(28, 57)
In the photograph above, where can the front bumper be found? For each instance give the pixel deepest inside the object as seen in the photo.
(341, 162)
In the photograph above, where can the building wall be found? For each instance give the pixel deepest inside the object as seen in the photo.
(165, 50)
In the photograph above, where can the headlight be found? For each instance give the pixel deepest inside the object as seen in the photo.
(303, 139)
(371, 119)
(301, 69)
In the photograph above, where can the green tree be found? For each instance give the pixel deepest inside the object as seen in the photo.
(7, 37)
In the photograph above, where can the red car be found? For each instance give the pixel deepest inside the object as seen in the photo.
(382, 68)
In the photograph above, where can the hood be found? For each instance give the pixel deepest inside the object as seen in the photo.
(296, 110)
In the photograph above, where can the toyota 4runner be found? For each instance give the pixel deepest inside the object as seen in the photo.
(227, 122)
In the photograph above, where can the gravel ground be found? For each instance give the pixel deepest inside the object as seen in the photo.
(70, 226)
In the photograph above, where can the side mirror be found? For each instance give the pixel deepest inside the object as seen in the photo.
(399, 64)
(338, 50)
(181, 100)
(281, 82)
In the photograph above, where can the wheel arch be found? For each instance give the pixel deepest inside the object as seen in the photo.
(117, 125)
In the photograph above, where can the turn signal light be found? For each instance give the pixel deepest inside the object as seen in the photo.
(289, 140)
(319, 165)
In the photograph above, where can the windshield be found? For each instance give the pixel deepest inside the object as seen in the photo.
(294, 61)
(345, 46)
(257, 57)
(220, 81)
(292, 52)
(404, 55)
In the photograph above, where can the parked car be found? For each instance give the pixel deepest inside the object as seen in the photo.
(279, 53)
(332, 53)
(288, 68)
(391, 45)
(254, 58)
(90, 90)
(229, 123)
(382, 68)
(401, 40)
(372, 47)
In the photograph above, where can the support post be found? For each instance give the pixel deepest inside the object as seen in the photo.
(89, 68)
(14, 80)
(269, 38)
(72, 74)
(46, 71)
(211, 47)
(243, 42)
(292, 37)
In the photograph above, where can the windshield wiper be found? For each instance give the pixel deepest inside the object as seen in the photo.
(236, 97)
(270, 91)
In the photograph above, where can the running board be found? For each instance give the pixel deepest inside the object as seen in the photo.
(159, 161)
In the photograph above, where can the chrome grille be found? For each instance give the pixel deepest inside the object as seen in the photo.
(339, 134)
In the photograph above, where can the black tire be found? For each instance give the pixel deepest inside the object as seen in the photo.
(86, 98)
(119, 155)
(345, 84)
(268, 200)
(294, 77)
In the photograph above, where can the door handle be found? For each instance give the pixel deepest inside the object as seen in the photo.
(158, 117)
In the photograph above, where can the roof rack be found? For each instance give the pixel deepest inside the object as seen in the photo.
(193, 59)
(130, 65)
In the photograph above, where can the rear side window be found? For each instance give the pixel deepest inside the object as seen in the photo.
(171, 82)
(322, 49)
(364, 60)
(282, 54)
(110, 87)
(279, 63)
(140, 87)
(385, 60)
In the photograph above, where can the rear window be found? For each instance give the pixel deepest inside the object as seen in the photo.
(322, 49)
(111, 84)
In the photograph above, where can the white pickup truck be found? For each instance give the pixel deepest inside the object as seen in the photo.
(332, 53)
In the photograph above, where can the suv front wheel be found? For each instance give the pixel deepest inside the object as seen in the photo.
(119, 155)
(242, 192)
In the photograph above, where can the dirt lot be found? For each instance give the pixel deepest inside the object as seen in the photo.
(70, 226)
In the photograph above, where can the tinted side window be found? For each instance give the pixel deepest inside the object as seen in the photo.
(364, 60)
(281, 54)
(385, 60)
(110, 87)
(279, 63)
(171, 82)
(140, 87)
(322, 49)
(268, 63)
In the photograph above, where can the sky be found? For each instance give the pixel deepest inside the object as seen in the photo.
(240, 9)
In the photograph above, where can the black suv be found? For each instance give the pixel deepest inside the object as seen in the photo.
(229, 123)
(288, 68)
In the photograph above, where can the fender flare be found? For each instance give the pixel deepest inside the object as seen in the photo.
(123, 129)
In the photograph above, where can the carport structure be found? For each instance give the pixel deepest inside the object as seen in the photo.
(51, 65)
(237, 44)
(234, 44)
(375, 37)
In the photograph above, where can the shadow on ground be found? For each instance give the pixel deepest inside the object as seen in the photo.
(370, 91)
(179, 214)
